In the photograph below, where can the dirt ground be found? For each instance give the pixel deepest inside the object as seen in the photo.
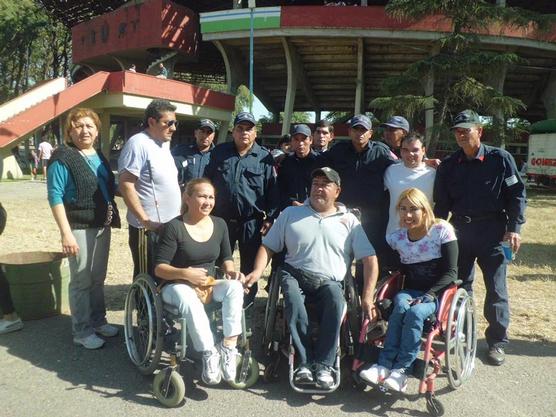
(532, 276)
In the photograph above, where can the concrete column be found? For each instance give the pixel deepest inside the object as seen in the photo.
(360, 80)
(317, 116)
(291, 87)
(105, 134)
(496, 81)
(9, 168)
(428, 86)
(549, 97)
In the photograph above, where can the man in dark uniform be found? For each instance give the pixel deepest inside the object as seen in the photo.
(480, 185)
(395, 129)
(192, 158)
(294, 177)
(361, 164)
(247, 197)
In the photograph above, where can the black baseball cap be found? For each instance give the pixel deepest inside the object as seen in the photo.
(361, 120)
(466, 119)
(207, 123)
(328, 173)
(301, 129)
(245, 116)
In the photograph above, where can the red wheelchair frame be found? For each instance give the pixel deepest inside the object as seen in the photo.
(452, 338)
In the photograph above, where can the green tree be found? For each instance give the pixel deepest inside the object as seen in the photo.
(460, 68)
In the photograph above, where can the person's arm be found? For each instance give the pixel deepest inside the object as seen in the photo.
(513, 191)
(272, 195)
(264, 255)
(69, 244)
(441, 193)
(131, 199)
(448, 267)
(370, 277)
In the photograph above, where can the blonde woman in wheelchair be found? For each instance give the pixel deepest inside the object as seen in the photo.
(190, 247)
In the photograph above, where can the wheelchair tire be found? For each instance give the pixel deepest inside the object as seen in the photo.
(434, 406)
(460, 339)
(143, 324)
(252, 375)
(353, 311)
(270, 313)
(176, 389)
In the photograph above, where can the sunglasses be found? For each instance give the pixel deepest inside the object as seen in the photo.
(170, 123)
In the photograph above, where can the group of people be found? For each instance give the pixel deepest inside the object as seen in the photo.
(301, 214)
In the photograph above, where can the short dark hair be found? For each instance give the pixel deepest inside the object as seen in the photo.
(156, 108)
(285, 139)
(413, 136)
(325, 123)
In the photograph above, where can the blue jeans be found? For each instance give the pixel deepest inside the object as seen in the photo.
(330, 303)
(405, 327)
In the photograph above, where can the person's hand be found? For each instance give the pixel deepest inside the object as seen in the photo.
(69, 244)
(250, 279)
(267, 224)
(196, 276)
(514, 239)
(296, 203)
(433, 163)
(369, 309)
(152, 226)
(425, 298)
(235, 276)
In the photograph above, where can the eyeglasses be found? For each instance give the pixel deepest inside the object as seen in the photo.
(170, 123)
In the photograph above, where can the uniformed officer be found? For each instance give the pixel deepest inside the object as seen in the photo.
(480, 185)
(395, 129)
(294, 177)
(361, 164)
(192, 158)
(246, 190)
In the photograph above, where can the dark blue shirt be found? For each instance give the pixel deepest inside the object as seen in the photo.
(190, 161)
(488, 184)
(362, 174)
(294, 177)
(245, 185)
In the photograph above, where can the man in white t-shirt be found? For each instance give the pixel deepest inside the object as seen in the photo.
(412, 173)
(149, 182)
(45, 151)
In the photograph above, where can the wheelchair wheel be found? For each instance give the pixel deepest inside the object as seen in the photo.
(270, 313)
(172, 396)
(353, 310)
(252, 375)
(434, 407)
(460, 339)
(143, 324)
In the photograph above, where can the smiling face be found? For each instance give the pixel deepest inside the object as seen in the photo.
(301, 145)
(412, 153)
(411, 216)
(83, 133)
(163, 128)
(200, 201)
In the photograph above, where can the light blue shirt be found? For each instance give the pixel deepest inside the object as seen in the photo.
(61, 185)
(324, 246)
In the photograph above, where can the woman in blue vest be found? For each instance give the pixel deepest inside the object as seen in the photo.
(81, 190)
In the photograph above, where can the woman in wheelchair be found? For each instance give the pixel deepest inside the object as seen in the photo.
(428, 251)
(189, 249)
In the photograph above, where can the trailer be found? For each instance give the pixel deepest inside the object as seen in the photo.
(541, 161)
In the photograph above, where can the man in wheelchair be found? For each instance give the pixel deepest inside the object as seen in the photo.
(321, 238)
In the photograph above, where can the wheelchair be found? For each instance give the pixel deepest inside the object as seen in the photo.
(277, 342)
(449, 335)
(150, 330)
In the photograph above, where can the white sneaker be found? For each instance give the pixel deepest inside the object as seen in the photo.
(8, 326)
(211, 367)
(228, 362)
(106, 330)
(375, 374)
(89, 342)
(304, 375)
(397, 381)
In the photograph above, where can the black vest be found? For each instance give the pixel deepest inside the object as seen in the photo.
(90, 208)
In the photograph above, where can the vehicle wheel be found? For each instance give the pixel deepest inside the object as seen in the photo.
(173, 396)
(143, 324)
(434, 407)
(460, 339)
(252, 375)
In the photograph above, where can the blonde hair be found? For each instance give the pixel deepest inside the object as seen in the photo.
(190, 188)
(420, 200)
(73, 116)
